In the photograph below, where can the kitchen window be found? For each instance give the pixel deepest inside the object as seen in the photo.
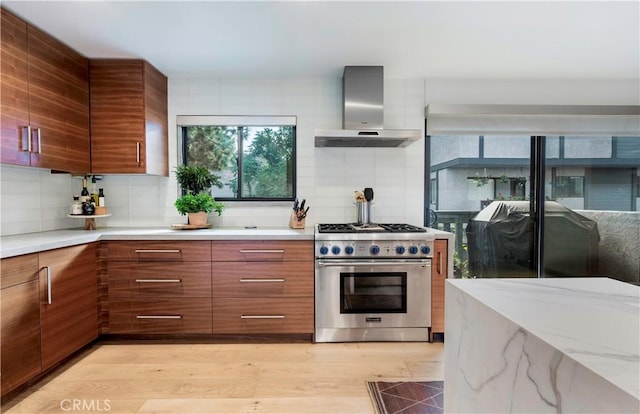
(254, 156)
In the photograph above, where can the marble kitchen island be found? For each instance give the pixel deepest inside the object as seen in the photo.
(569, 345)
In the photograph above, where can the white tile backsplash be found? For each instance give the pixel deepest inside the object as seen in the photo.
(34, 199)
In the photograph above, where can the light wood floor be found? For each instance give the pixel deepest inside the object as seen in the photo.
(228, 378)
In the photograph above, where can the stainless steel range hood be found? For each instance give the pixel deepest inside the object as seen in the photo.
(363, 114)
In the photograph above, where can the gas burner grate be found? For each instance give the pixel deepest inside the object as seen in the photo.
(402, 228)
(369, 228)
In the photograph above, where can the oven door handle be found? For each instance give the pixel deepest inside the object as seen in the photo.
(336, 263)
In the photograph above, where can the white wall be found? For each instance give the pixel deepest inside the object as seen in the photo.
(326, 177)
(35, 200)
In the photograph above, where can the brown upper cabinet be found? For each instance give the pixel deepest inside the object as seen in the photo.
(128, 117)
(45, 100)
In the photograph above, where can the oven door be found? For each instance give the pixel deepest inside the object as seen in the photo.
(373, 293)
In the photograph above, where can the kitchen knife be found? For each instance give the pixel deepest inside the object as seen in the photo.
(302, 204)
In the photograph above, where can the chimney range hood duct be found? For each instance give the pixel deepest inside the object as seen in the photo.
(363, 114)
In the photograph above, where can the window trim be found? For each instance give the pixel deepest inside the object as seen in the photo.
(183, 121)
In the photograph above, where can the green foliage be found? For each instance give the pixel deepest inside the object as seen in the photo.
(194, 203)
(461, 264)
(213, 147)
(196, 179)
(267, 164)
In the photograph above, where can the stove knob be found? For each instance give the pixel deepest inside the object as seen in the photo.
(374, 249)
(413, 250)
(335, 250)
(425, 249)
(400, 249)
(324, 250)
(348, 250)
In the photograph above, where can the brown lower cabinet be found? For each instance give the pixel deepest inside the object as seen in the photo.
(69, 301)
(438, 277)
(20, 333)
(159, 287)
(49, 310)
(263, 287)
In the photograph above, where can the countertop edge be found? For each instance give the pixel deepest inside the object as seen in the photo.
(17, 245)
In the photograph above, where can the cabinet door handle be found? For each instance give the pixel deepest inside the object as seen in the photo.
(39, 138)
(26, 132)
(138, 152)
(280, 251)
(158, 316)
(262, 317)
(49, 288)
(158, 280)
(440, 263)
(278, 280)
(157, 250)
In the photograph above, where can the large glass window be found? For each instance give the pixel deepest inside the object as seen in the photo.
(591, 188)
(253, 156)
(591, 224)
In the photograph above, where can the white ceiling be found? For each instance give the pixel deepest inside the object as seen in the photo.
(416, 39)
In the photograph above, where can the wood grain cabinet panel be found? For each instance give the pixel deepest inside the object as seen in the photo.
(69, 303)
(45, 100)
(58, 104)
(159, 251)
(254, 279)
(160, 316)
(159, 287)
(15, 90)
(191, 279)
(438, 277)
(20, 320)
(262, 315)
(262, 286)
(129, 130)
(261, 250)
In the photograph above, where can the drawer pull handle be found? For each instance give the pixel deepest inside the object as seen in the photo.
(39, 136)
(277, 251)
(262, 317)
(49, 286)
(157, 250)
(26, 132)
(262, 280)
(158, 280)
(158, 317)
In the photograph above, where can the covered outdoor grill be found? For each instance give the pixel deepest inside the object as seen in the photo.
(500, 241)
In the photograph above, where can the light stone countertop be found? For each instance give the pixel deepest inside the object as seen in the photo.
(592, 321)
(47, 240)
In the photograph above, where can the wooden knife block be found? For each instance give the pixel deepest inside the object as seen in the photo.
(294, 223)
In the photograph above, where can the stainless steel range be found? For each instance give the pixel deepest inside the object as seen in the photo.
(372, 282)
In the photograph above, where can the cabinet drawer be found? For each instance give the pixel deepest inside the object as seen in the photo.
(256, 279)
(262, 315)
(19, 269)
(159, 251)
(191, 279)
(262, 250)
(168, 315)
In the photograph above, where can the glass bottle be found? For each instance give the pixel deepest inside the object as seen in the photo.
(84, 195)
(94, 190)
(76, 207)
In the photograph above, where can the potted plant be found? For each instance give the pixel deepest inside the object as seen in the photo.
(197, 207)
(197, 201)
(196, 179)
